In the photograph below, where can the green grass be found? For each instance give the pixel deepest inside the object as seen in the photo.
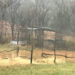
(6, 47)
(61, 69)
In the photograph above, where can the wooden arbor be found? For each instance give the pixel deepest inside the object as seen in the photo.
(41, 34)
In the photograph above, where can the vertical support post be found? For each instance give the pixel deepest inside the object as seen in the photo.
(42, 41)
(65, 48)
(31, 59)
(28, 39)
(31, 55)
(17, 43)
(55, 49)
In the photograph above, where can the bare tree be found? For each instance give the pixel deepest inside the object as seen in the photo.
(12, 13)
(62, 19)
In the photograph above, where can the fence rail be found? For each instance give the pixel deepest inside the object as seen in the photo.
(45, 54)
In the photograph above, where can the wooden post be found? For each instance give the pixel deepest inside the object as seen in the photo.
(55, 49)
(18, 43)
(31, 55)
(31, 59)
(42, 41)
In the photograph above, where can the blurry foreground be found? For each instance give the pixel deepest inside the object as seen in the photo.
(61, 69)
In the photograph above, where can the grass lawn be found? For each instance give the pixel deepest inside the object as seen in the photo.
(9, 47)
(6, 47)
(61, 69)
